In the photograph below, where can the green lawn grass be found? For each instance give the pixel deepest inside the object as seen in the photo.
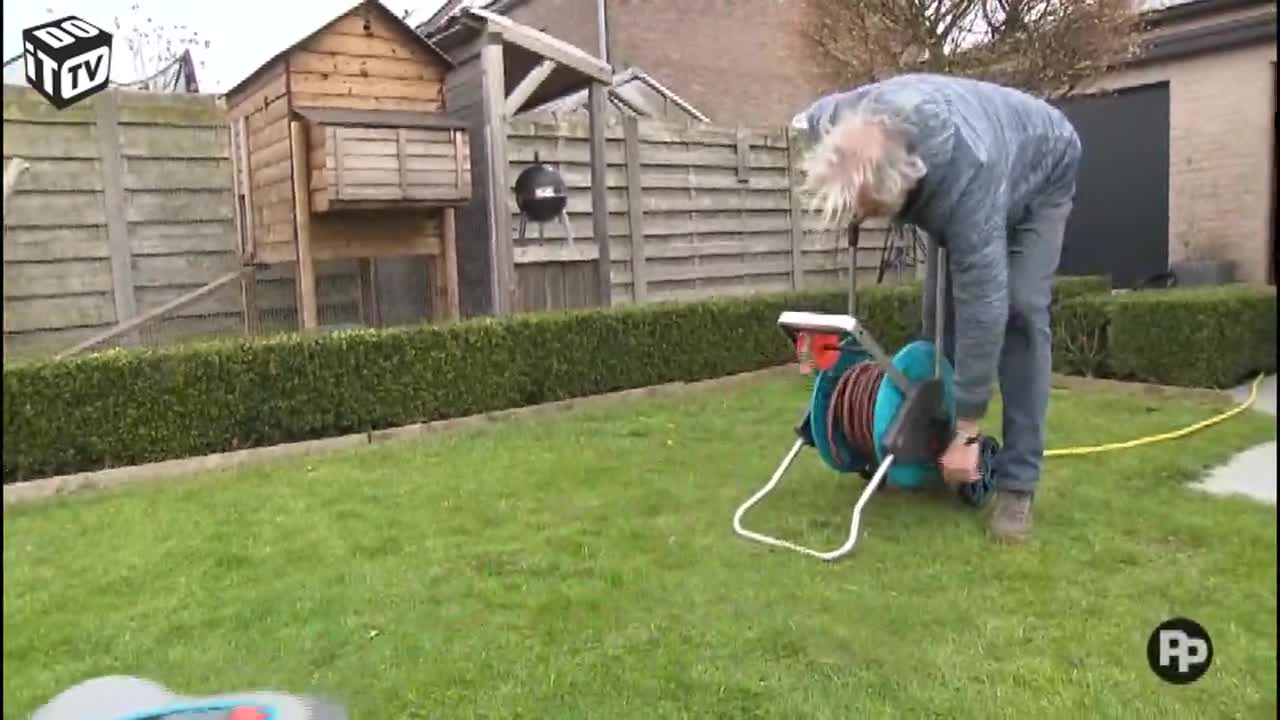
(585, 567)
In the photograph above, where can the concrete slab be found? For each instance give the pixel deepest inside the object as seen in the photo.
(1251, 473)
(1266, 400)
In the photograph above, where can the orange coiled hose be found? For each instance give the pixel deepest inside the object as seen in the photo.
(852, 410)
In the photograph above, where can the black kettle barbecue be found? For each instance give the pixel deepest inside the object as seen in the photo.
(541, 196)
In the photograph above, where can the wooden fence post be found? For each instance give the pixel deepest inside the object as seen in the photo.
(599, 189)
(305, 280)
(503, 283)
(241, 209)
(112, 172)
(635, 208)
(796, 214)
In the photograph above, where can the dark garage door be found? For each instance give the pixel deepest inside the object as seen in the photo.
(1120, 224)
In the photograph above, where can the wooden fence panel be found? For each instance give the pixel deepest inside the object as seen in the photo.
(126, 206)
(694, 212)
(542, 283)
(58, 265)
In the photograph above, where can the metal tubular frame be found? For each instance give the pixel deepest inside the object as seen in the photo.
(849, 326)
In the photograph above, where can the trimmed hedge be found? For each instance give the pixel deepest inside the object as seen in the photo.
(129, 407)
(1069, 287)
(1203, 337)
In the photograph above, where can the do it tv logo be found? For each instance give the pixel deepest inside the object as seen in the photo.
(67, 60)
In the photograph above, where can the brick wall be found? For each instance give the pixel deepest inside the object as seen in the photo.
(738, 61)
(1221, 154)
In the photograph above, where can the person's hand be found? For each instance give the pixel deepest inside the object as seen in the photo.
(959, 463)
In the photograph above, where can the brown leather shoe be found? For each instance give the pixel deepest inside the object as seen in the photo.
(1010, 520)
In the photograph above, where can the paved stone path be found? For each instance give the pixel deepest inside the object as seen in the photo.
(1253, 472)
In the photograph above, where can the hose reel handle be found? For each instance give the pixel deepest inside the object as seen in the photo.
(854, 235)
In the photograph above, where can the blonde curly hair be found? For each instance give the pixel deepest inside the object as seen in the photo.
(860, 168)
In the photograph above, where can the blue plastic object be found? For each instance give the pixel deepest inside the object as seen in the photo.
(202, 710)
(915, 362)
(123, 697)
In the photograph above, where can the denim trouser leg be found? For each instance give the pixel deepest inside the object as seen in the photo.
(1026, 362)
(1026, 359)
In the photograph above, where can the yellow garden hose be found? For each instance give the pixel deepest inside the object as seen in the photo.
(1094, 449)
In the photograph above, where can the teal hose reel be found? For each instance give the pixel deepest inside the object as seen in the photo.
(885, 417)
(916, 364)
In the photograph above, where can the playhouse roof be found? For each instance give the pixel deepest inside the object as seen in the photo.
(634, 92)
(410, 34)
(523, 49)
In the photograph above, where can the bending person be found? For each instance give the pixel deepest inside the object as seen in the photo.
(989, 173)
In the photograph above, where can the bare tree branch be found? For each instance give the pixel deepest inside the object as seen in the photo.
(153, 46)
(1047, 47)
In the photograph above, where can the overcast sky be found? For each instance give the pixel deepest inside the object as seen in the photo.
(242, 34)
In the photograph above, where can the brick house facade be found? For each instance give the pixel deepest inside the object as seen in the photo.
(741, 62)
(1218, 58)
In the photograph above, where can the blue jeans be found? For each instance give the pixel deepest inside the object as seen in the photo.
(1026, 357)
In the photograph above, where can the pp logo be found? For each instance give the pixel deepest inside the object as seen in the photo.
(67, 60)
(1180, 651)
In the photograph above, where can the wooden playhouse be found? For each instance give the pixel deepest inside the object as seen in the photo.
(342, 149)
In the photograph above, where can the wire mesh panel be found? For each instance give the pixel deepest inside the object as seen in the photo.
(274, 302)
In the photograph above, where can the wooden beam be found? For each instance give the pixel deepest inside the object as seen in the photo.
(366, 280)
(502, 256)
(599, 191)
(249, 300)
(236, 132)
(306, 276)
(528, 86)
(241, 200)
(113, 199)
(449, 257)
(437, 297)
(362, 287)
(461, 165)
(402, 161)
(635, 208)
(150, 315)
(251, 240)
(546, 46)
(334, 139)
(443, 271)
(238, 208)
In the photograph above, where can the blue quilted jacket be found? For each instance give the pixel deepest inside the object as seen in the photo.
(993, 154)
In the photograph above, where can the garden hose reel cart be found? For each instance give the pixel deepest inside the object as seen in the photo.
(885, 417)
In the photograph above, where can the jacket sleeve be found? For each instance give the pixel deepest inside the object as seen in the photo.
(976, 253)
